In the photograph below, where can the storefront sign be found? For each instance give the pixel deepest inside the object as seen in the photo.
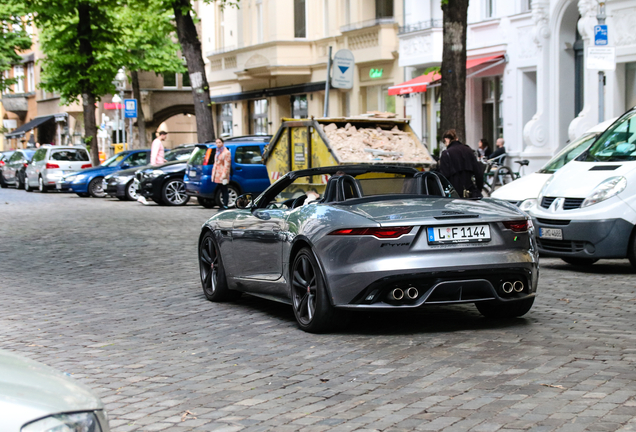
(343, 65)
(376, 73)
(112, 106)
(601, 58)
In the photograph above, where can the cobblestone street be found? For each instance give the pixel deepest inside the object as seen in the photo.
(109, 291)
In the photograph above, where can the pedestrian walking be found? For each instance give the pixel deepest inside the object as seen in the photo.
(221, 170)
(459, 165)
(156, 149)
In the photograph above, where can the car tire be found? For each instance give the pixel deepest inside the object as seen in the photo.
(206, 202)
(233, 192)
(83, 194)
(173, 192)
(582, 262)
(19, 184)
(503, 310)
(212, 272)
(131, 191)
(41, 186)
(95, 188)
(310, 301)
(27, 187)
(3, 184)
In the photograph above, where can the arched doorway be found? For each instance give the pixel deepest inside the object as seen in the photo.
(570, 76)
(180, 123)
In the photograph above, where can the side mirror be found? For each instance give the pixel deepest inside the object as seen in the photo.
(245, 201)
(125, 166)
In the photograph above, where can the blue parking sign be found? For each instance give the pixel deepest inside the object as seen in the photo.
(600, 34)
(130, 108)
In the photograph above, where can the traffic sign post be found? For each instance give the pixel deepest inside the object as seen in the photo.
(601, 57)
(130, 108)
(600, 35)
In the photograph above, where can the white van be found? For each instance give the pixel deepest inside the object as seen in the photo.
(587, 210)
(523, 192)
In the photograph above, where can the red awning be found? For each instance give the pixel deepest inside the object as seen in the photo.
(418, 85)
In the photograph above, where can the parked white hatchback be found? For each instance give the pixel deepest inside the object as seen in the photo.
(587, 209)
(524, 191)
(37, 398)
(51, 163)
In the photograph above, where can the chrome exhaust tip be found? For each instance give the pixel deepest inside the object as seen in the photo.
(507, 287)
(397, 294)
(412, 293)
(518, 286)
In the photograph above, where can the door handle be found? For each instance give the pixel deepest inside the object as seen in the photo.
(239, 169)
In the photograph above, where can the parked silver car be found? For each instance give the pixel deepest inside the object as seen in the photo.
(37, 398)
(51, 163)
(370, 238)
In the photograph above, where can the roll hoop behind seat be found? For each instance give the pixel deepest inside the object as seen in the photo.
(340, 188)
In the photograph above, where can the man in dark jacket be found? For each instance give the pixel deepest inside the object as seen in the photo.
(459, 165)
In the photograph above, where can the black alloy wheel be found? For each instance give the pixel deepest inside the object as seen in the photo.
(505, 310)
(96, 188)
(206, 202)
(131, 190)
(173, 193)
(213, 278)
(233, 193)
(41, 186)
(582, 262)
(310, 301)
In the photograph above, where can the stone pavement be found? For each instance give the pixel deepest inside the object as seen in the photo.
(109, 292)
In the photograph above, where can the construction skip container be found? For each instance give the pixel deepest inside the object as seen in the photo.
(311, 143)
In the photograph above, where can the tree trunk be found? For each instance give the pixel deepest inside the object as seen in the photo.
(141, 120)
(84, 34)
(453, 103)
(191, 49)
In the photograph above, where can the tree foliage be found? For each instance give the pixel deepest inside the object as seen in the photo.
(13, 38)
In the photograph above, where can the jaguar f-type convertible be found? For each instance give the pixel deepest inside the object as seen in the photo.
(368, 237)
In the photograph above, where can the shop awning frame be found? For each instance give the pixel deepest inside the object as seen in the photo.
(270, 92)
(22, 130)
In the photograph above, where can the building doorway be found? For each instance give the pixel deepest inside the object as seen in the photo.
(492, 108)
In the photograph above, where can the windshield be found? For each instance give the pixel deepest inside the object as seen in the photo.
(114, 160)
(569, 153)
(616, 144)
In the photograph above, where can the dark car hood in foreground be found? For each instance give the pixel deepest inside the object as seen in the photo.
(421, 210)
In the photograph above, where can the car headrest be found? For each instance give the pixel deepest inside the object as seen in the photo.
(340, 188)
(429, 183)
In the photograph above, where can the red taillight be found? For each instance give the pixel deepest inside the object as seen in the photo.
(382, 233)
(517, 226)
(51, 165)
(26, 164)
(87, 166)
(206, 159)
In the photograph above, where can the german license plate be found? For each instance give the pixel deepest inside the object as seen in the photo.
(458, 234)
(551, 233)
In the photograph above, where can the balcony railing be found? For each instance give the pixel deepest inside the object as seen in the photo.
(368, 23)
(422, 25)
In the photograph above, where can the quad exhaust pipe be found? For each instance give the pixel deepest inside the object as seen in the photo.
(412, 293)
(397, 294)
(508, 287)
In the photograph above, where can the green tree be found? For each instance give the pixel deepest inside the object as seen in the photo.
(147, 44)
(453, 70)
(13, 39)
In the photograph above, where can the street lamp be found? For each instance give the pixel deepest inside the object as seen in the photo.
(116, 99)
(120, 83)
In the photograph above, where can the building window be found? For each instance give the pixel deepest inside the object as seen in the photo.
(185, 80)
(31, 77)
(347, 11)
(383, 9)
(378, 99)
(225, 119)
(258, 114)
(170, 80)
(299, 106)
(489, 8)
(325, 17)
(526, 5)
(259, 21)
(492, 108)
(300, 19)
(18, 74)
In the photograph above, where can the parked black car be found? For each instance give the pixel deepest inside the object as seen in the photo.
(122, 184)
(13, 170)
(164, 184)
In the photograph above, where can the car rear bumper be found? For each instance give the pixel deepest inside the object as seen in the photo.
(608, 238)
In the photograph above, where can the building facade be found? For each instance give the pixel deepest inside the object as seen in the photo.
(268, 60)
(530, 86)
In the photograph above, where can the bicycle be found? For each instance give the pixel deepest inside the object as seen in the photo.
(496, 174)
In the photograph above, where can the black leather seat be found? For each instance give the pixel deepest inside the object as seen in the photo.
(429, 183)
(340, 188)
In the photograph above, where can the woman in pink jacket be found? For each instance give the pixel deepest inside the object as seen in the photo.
(221, 170)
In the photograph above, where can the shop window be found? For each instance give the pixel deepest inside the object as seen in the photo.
(300, 19)
(492, 108)
(258, 114)
(18, 74)
(383, 9)
(299, 107)
(170, 80)
(225, 119)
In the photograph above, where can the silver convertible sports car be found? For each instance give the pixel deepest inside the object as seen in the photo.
(366, 237)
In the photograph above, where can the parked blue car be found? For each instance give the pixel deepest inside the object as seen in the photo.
(88, 182)
(248, 174)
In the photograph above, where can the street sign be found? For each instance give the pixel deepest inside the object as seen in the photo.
(343, 65)
(600, 35)
(130, 108)
(601, 58)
